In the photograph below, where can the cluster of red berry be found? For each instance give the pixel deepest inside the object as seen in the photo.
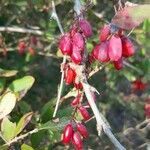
(113, 47)
(24, 47)
(74, 134)
(73, 42)
(138, 85)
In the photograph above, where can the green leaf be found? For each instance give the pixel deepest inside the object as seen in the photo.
(131, 16)
(55, 126)
(47, 112)
(23, 122)
(26, 147)
(8, 129)
(22, 84)
(7, 73)
(37, 138)
(7, 103)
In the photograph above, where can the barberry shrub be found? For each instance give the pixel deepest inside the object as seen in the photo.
(115, 58)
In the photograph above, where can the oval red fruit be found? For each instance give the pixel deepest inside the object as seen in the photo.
(78, 85)
(118, 64)
(22, 47)
(76, 101)
(115, 48)
(103, 52)
(95, 51)
(82, 130)
(85, 27)
(65, 44)
(127, 47)
(76, 56)
(76, 141)
(31, 51)
(67, 134)
(85, 114)
(69, 76)
(104, 33)
(78, 41)
(138, 85)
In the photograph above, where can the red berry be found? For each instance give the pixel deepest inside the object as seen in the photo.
(147, 110)
(78, 42)
(85, 27)
(127, 47)
(76, 141)
(73, 30)
(76, 56)
(104, 33)
(22, 47)
(69, 76)
(76, 101)
(138, 85)
(67, 133)
(118, 64)
(85, 114)
(65, 44)
(115, 48)
(103, 52)
(78, 85)
(31, 51)
(82, 130)
(95, 51)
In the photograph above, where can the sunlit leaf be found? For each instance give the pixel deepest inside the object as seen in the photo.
(21, 84)
(8, 129)
(55, 126)
(7, 103)
(26, 147)
(23, 122)
(7, 73)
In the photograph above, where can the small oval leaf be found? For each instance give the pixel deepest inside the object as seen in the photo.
(26, 147)
(8, 129)
(23, 122)
(7, 73)
(7, 103)
(21, 84)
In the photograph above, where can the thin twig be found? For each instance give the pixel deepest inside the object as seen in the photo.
(130, 32)
(20, 30)
(16, 139)
(55, 17)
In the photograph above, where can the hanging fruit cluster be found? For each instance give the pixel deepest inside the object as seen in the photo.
(74, 133)
(113, 46)
(73, 44)
(27, 46)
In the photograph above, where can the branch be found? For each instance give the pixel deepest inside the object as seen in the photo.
(55, 17)
(20, 30)
(101, 121)
(16, 139)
